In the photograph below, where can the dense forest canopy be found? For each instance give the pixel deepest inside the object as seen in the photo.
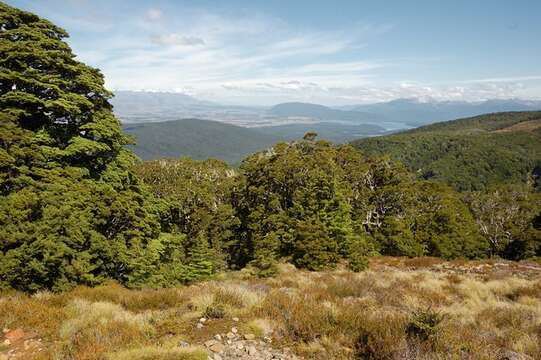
(71, 209)
(76, 206)
(469, 154)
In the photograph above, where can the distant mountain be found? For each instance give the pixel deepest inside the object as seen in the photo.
(415, 113)
(198, 139)
(471, 153)
(323, 113)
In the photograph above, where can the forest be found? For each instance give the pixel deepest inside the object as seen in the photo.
(77, 207)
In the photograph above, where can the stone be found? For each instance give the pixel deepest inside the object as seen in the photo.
(252, 350)
(230, 335)
(15, 335)
(236, 319)
(234, 330)
(199, 326)
(249, 336)
(217, 357)
(183, 343)
(217, 348)
(7, 342)
(511, 355)
(5, 330)
(202, 320)
(218, 337)
(209, 343)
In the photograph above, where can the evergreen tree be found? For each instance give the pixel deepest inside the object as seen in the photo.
(71, 210)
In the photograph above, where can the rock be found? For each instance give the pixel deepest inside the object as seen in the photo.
(249, 336)
(234, 330)
(183, 343)
(15, 335)
(218, 337)
(209, 343)
(217, 348)
(202, 320)
(236, 319)
(199, 326)
(230, 335)
(5, 330)
(252, 350)
(7, 342)
(217, 357)
(511, 355)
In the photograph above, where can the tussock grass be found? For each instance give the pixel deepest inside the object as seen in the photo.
(160, 353)
(400, 308)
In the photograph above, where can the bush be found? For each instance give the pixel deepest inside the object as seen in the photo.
(424, 324)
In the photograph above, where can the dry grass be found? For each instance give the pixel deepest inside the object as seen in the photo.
(399, 309)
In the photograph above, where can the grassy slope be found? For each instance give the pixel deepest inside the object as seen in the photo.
(198, 139)
(401, 308)
(468, 153)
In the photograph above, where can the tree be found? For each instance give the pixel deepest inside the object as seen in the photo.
(507, 216)
(71, 210)
(294, 205)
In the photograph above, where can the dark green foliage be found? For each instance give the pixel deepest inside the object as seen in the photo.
(71, 211)
(424, 324)
(315, 204)
(194, 198)
(469, 154)
(294, 205)
(214, 311)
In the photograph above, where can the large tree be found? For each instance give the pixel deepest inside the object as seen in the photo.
(71, 211)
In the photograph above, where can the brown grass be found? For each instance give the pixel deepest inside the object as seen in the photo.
(400, 308)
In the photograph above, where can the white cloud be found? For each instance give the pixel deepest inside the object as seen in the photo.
(253, 59)
(176, 39)
(154, 14)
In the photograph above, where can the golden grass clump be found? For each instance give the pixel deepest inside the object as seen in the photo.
(160, 353)
(99, 327)
(398, 309)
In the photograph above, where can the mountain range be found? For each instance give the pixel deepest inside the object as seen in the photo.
(144, 106)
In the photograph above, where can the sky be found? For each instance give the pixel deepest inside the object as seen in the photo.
(341, 52)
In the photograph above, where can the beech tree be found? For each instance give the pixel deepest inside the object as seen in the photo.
(71, 210)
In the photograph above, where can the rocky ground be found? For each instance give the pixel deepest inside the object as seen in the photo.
(18, 344)
(234, 345)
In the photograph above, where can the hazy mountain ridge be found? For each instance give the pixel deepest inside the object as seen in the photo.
(147, 106)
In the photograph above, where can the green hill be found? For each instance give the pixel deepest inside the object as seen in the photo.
(470, 153)
(198, 139)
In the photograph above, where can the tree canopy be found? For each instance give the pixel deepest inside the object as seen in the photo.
(71, 209)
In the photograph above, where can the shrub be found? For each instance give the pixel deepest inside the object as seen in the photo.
(424, 324)
(214, 311)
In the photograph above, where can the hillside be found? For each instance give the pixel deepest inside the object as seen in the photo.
(322, 113)
(198, 139)
(470, 153)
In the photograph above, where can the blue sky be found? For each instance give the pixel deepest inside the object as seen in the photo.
(330, 52)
